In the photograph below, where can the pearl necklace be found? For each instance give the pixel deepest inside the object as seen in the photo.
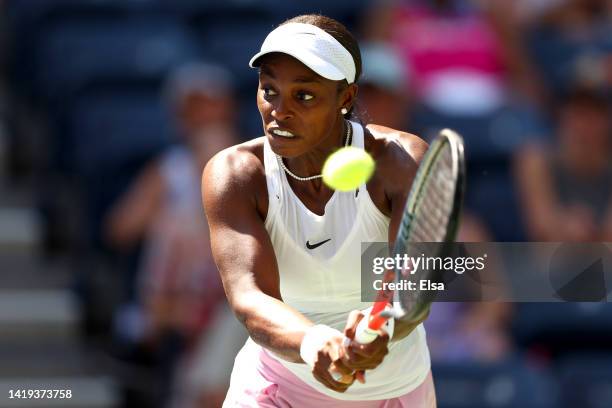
(349, 130)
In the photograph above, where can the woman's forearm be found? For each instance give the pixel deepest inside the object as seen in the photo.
(273, 324)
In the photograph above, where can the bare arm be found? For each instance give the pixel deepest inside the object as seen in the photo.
(128, 220)
(549, 219)
(607, 227)
(246, 261)
(536, 195)
(502, 15)
(244, 254)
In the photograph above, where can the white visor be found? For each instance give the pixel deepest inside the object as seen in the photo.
(313, 47)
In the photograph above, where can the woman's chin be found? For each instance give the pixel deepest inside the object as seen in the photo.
(284, 146)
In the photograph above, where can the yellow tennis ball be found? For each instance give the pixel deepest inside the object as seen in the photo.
(348, 168)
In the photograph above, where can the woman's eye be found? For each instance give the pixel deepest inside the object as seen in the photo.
(305, 96)
(268, 91)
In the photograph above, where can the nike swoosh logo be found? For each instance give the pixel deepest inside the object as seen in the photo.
(318, 244)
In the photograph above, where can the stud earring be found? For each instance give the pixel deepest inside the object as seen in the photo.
(344, 111)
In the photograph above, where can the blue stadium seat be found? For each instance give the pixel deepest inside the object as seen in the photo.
(563, 327)
(28, 21)
(74, 53)
(197, 9)
(234, 31)
(111, 135)
(345, 11)
(492, 196)
(233, 41)
(487, 137)
(109, 127)
(507, 384)
(250, 119)
(586, 380)
(562, 57)
(490, 142)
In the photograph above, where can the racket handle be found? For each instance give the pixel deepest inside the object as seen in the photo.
(375, 319)
(364, 333)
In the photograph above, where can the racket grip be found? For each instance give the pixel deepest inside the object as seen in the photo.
(369, 327)
(364, 334)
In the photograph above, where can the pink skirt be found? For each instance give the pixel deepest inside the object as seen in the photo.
(259, 381)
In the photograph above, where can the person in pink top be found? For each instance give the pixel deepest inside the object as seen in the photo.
(463, 58)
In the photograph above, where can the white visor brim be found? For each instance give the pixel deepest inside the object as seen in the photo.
(313, 47)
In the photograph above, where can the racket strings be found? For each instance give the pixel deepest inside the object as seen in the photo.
(436, 202)
(432, 212)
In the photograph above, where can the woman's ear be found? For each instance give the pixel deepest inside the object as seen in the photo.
(348, 96)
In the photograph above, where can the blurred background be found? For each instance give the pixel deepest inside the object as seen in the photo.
(109, 110)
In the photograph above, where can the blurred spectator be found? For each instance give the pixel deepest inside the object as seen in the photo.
(566, 188)
(468, 72)
(382, 95)
(464, 59)
(202, 378)
(573, 41)
(528, 11)
(180, 290)
(200, 97)
(470, 331)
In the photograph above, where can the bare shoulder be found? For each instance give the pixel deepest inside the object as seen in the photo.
(236, 164)
(397, 155)
(394, 148)
(236, 173)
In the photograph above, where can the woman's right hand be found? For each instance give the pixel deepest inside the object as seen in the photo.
(322, 348)
(329, 359)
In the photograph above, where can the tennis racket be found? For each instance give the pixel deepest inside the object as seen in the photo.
(431, 214)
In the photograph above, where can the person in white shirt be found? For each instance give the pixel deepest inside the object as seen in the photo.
(288, 248)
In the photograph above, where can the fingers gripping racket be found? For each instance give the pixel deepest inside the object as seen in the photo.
(431, 214)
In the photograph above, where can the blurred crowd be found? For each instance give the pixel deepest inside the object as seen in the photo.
(113, 107)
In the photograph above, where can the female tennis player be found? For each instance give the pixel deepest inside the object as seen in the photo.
(288, 248)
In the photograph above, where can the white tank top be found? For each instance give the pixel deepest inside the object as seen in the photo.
(319, 261)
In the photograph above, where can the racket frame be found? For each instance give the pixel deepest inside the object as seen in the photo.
(445, 136)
